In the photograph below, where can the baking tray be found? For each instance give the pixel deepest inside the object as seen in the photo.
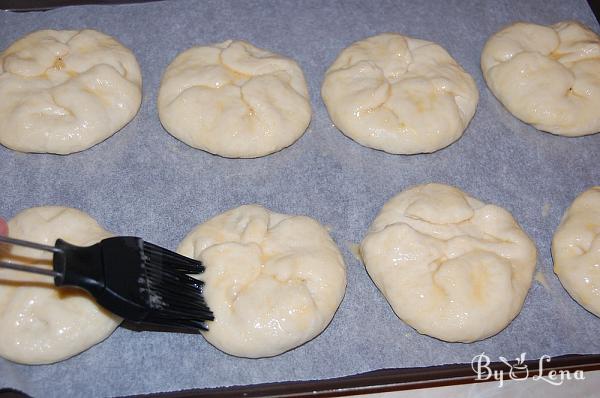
(127, 182)
(43, 5)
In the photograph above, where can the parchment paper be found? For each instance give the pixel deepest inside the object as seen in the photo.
(144, 182)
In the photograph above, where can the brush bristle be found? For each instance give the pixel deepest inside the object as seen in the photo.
(175, 298)
(175, 260)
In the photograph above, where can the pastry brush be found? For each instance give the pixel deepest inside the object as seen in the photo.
(134, 279)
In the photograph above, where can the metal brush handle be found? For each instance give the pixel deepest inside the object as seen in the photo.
(30, 268)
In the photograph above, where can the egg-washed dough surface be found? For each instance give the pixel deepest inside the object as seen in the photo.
(64, 91)
(576, 250)
(234, 99)
(40, 323)
(451, 266)
(399, 94)
(273, 281)
(547, 76)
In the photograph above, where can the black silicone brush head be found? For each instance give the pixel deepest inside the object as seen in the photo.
(137, 280)
(175, 297)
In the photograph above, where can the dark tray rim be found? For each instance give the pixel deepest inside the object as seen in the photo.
(386, 380)
(44, 5)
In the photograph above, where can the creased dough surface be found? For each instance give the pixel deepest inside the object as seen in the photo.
(576, 250)
(399, 94)
(450, 266)
(234, 100)
(273, 281)
(40, 323)
(547, 76)
(65, 91)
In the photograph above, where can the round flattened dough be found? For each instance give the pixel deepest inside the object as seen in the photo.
(273, 281)
(547, 76)
(40, 323)
(234, 100)
(399, 94)
(450, 266)
(576, 250)
(65, 91)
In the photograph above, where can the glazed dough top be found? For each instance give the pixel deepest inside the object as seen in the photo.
(450, 266)
(548, 76)
(273, 281)
(40, 323)
(399, 94)
(65, 91)
(576, 250)
(235, 100)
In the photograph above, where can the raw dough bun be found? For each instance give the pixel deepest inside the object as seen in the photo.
(399, 94)
(450, 266)
(576, 250)
(547, 76)
(234, 100)
(40, 323)
(273, 281)
(65, 91)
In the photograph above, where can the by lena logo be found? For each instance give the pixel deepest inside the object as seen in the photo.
(520, 371)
